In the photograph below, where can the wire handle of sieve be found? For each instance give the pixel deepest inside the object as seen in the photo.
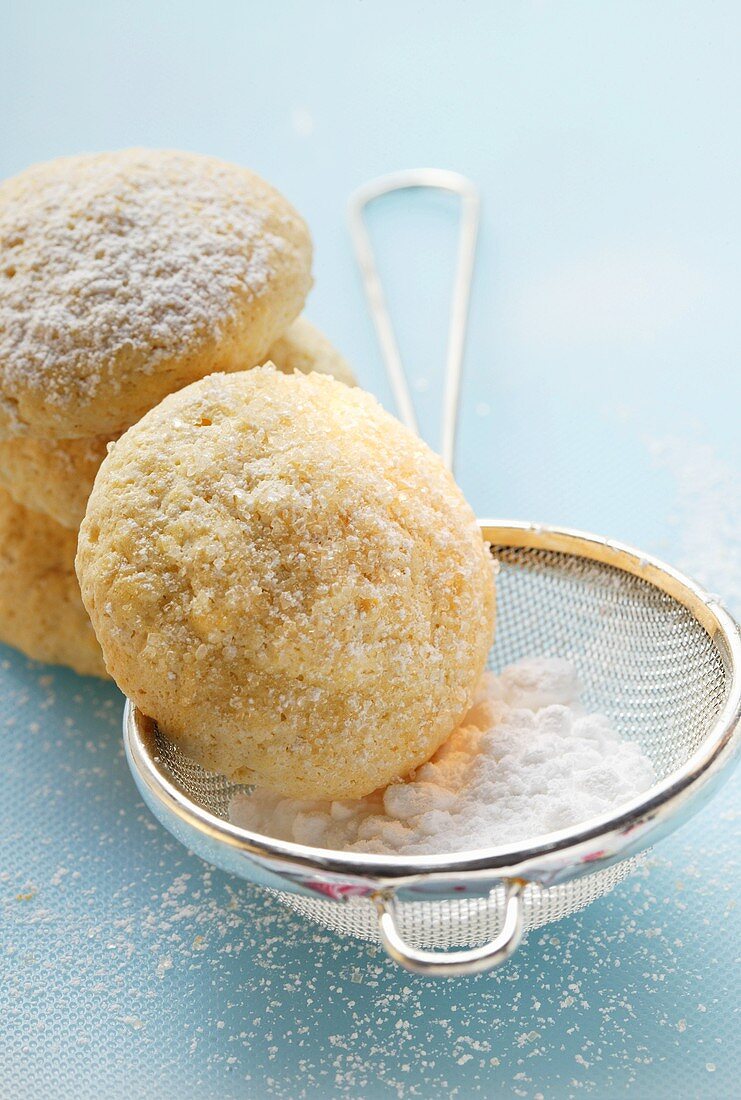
(454, 964)
(442, 180)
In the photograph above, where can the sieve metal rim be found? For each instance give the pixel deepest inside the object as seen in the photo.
(547, 859)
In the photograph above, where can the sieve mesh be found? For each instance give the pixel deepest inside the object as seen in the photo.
(461, 922)
(644, 660)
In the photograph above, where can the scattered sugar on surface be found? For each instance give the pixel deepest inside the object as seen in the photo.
(629, 997)
(708, 518)
(525, 761)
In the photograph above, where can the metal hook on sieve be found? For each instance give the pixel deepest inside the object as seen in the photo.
(441, 180)
(454, 964)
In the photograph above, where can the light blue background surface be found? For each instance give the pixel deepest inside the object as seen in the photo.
(601, 391)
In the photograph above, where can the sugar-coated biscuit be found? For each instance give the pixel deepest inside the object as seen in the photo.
(304, 348)
(55, 476)
(127, 275)
(41, 611)
(289, 581)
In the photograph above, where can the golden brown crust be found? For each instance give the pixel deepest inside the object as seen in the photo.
(41, 612)
(124, 276)
(289, 581)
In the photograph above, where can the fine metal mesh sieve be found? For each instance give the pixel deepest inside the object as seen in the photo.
(654, 653)
(646, 663)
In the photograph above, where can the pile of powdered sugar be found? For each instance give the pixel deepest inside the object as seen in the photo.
(525, 761)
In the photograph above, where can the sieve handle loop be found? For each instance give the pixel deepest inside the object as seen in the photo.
(442, 180)
(453, 964)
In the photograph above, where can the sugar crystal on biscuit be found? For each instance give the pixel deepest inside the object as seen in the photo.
(344, 633)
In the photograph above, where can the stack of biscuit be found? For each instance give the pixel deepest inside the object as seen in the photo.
(123, 277)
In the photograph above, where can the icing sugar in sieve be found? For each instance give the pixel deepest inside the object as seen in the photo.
(656, 654)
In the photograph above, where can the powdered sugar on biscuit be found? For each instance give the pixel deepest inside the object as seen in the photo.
(134, 255)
